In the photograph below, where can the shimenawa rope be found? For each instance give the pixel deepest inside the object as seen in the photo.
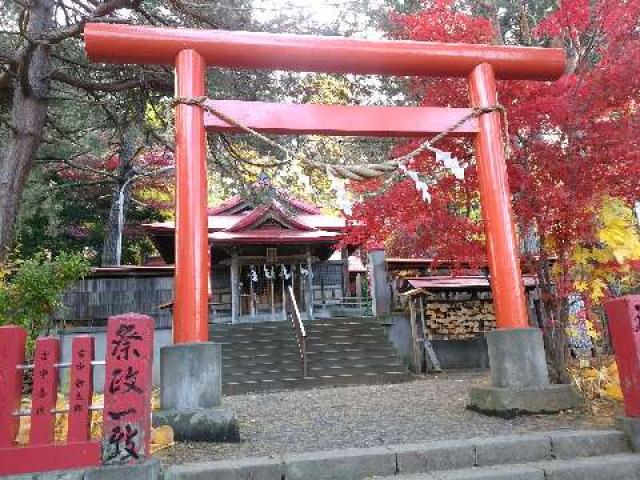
(351, 172)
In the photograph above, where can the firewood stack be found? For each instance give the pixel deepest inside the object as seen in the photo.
(457, 319)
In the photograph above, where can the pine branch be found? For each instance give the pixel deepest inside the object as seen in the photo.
(101, 10)
(110, 87)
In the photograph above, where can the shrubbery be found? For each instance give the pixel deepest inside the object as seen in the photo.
(31, 290)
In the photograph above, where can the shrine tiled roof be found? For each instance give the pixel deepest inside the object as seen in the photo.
(458, 283)
(281, 219)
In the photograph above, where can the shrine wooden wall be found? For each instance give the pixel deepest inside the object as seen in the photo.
(106, 293)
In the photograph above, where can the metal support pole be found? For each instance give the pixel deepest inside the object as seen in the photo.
(344, 255)
(308, 298)
(502, 247)
(235, 293)
(192, 250)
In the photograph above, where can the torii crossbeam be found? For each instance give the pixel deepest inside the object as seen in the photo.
(191, 51)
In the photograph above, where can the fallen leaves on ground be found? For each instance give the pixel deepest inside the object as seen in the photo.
(161, 437)
(599, 383)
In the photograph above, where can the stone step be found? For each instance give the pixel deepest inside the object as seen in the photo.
(248, 348)
(266, 356)
(326, 337)
(236, 355)
(286, 325)
(266, 372)
(279, 327)
(347, 351)
(562, 455)
(296, 383)
(260, 342)
(244, 376)
(239, 363)
(605, 467)
(345, 343)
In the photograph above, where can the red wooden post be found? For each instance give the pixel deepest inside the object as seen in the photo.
(502, 247)
(12, 343)
(624, 325)
(80, 389)
(127, 389)
(45, 391)
(190, 312)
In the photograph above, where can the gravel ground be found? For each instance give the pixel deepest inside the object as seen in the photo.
(431, 408)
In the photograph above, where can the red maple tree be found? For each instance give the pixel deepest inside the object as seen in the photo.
(573, 142)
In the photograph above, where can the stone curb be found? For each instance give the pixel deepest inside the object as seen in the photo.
(561, 455)
(354, 464)
(147, 470)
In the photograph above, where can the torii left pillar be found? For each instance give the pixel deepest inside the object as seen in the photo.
(191, 368)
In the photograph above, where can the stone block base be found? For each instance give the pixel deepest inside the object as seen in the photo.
(203, 425)
(146, 470)
(631, 428)
(508, 402)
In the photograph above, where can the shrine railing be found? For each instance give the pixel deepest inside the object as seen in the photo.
(293, 312)
(356, 302)
(126, 423)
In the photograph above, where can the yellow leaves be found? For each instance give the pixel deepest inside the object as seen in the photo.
(161, 438)
(581, 286)
(327, 89)
(591, 331)
(611, 382)
(595, 267)
(152, 117)
(613, 392)
(581, 255)
(600, 387)
(597, 290)
(618, 230)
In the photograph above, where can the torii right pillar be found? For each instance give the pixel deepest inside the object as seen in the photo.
(519, 376)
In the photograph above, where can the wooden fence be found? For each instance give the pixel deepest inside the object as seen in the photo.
(126, 426)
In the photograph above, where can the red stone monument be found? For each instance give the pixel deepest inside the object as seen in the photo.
(127, 389)
(624, 326)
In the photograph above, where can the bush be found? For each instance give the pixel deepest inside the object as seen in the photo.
(31, 290)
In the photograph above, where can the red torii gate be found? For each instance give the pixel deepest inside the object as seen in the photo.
(191, 51)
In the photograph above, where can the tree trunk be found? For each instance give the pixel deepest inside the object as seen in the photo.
(113, 234)
(554, 312)
(28, 117)
(114, 230)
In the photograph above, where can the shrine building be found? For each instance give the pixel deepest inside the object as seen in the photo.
(261, 246)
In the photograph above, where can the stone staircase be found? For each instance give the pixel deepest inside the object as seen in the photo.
(561, 455)
(265, 356)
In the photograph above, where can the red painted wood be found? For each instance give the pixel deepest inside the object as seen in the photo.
(80, 389)
(117, 43)
(367, 121)
(624, 325)
(44, 458)
(45, 391)
(191, 314)
(12, 344)
(127, 391)
(495, 198)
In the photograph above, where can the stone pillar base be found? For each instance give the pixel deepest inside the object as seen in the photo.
(519, 377)
(206, 425)
(191, 394)
(509, 402)
(631, 427)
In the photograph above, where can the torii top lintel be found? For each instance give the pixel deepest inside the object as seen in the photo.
(116, 43)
